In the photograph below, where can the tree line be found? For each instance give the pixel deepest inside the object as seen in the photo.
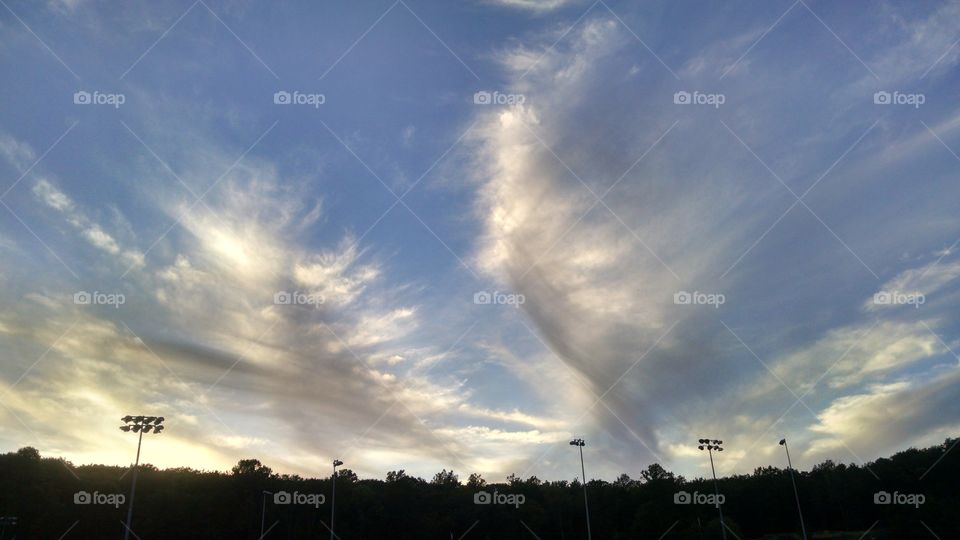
(912, 494)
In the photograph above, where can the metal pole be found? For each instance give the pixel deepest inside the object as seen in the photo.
(333, 501)
(716, 490)
(133, 490)
(586, 506)
(796, 494)
(263, 511)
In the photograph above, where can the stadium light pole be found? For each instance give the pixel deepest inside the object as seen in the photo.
(263, 511)
(710, 445)
(333, 496)
(586, 507)
(796, 494)
(138, 424)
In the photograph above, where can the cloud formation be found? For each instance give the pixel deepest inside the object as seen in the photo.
(700, 216)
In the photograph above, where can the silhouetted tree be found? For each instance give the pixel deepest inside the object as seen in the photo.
(252, 467)
(347, 476)
(189, 504)
(446, 478)
(396, 476)
(655, 472)
(476, 481)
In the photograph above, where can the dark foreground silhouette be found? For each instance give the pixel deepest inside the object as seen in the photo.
(913, 496)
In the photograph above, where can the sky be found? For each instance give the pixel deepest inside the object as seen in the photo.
(427, 235)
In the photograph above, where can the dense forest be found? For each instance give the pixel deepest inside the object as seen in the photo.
(52, 498)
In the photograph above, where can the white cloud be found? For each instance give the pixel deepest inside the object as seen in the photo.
(925, 280)
(885, 416)
(218, 357)
(17, 153)
(599, 277)
(533, 5)
(91, 231)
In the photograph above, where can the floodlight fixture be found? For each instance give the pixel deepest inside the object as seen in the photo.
(580, 443)
(796, 494)
(139, 424)
(710, 445)
(333, 496)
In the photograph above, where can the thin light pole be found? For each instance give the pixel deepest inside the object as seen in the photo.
(796, 494)
(333, 496)
(710, 446)
(133, 490)
(263, 510)
(139, 425)
(586, 507)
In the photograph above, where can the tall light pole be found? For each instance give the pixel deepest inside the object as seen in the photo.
(333, 495)
(579, 443)
(138, 424)
(796, 494)
(263, 510)
(710, 445)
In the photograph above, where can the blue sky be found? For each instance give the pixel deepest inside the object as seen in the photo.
(731, 220)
